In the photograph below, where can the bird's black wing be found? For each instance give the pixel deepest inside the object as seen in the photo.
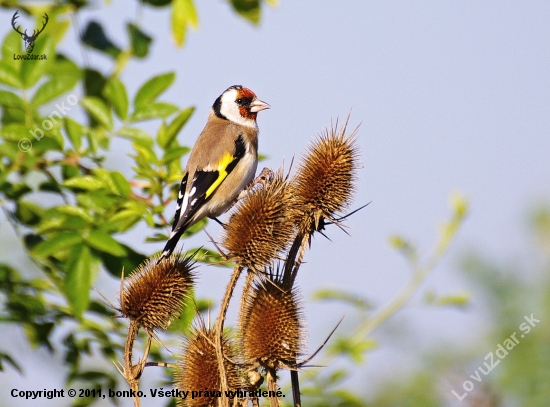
(203, 186)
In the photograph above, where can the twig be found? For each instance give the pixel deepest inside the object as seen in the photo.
(219, 332)
(295, 388)
(272, 387)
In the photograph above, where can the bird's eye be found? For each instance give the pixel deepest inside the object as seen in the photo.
(239, 101)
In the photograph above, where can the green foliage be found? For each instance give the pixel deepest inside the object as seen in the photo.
(68, 209)
(511, 294)
(514, 294)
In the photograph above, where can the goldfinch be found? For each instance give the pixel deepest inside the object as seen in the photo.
(222, 162)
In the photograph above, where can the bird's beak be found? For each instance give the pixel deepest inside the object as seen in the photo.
(258, 105)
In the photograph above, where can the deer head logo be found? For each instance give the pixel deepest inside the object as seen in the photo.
(29, 39)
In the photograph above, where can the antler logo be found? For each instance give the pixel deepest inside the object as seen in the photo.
(29, 39)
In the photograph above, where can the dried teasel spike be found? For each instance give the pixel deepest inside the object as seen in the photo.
(198, 367)
(324, 182)
(272, 325)
(262, 225)
(153, 295)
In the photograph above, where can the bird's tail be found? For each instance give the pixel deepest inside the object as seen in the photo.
(171, 243)
(173, 240)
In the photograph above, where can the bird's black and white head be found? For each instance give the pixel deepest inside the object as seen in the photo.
(239, 105)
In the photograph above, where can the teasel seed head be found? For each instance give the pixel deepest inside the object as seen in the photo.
(272, 325)
(153, 295)
(262, 226)
(198, 367)
(325, 179)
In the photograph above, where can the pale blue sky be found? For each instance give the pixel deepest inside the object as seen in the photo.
(452, 96)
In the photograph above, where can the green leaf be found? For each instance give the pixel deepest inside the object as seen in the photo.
(15, 191)
(99, 137)
(10, 99)
(139, 40)
(75, 211)
(137, 208)
(208, 256)
(38, 333)
(182, 324)
(157, 3)
(106, 243)
(98, 109)
(94, 82)
(116, 93)
(95, 37)
(12, 45)
(57, 243)
(157, 237)
(175, 153)
(4, 357)
(96, 201)
(121, 184)
(249, 9)
(457, 300)
(64, 67)
(9, 75)
(337, 377)
(145, 155)
(338, 295)
(138, 136)
(33, 70)
(50, 186)
(184, 15)
(196, 228)
(403, 246)
(155, 110)
(122, 221)
(16, 132)
(13, 115)
(74, 131)
(170, 132)
(355, 350)
(69, 171)
(28, 213)
(128, 262)
(81, 269)
(53, 88)
(86, 182)
(153, 88)
(118, 187)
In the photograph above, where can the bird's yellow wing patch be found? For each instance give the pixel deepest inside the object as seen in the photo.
(222, 173)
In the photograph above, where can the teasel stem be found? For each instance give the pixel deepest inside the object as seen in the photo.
(295, 258)
(272, 387)
(246, 291)
(219, 332)
(294, 381)
(162, 364)
(132, 373)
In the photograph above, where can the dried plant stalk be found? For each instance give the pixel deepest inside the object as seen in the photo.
(153, 295)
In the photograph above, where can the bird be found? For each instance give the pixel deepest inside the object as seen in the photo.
(222, 163)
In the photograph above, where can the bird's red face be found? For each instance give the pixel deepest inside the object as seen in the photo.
(240, 105)
(244, 98)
